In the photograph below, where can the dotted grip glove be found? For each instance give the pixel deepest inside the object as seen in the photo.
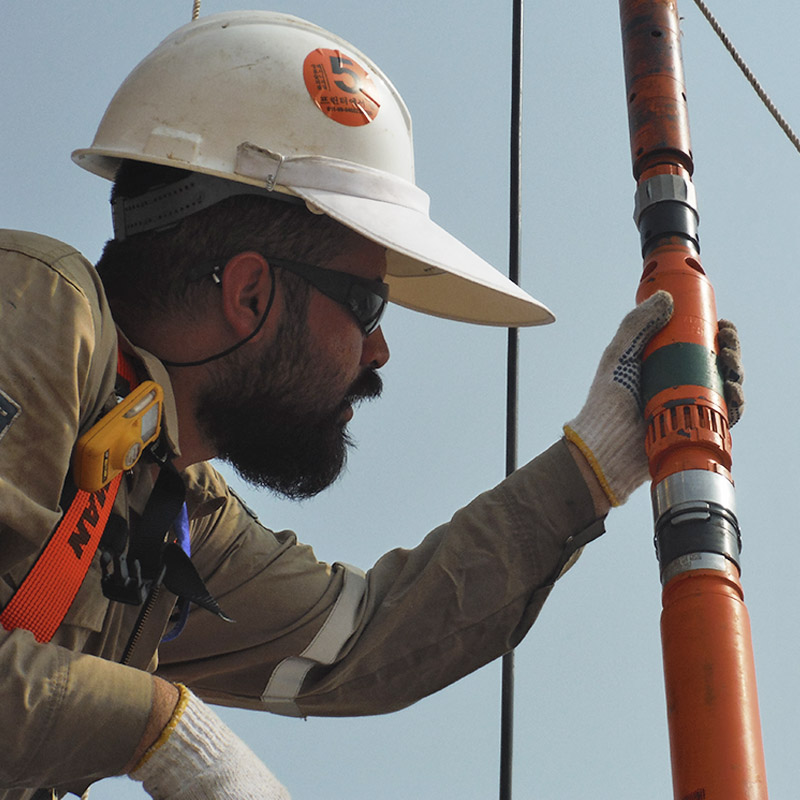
(610, 429)
(198, 757)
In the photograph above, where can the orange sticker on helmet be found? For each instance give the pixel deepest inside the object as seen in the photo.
(340, 87)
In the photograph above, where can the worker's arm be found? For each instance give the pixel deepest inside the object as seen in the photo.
(163, 771)
(166, 695)
(420, 618)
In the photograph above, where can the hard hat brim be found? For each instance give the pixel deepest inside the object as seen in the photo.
(428, 269)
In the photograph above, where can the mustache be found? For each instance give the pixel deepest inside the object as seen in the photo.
(367, 386)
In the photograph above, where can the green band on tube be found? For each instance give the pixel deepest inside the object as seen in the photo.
(680, 364)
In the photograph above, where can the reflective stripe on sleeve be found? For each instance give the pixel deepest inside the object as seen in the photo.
(287, 678)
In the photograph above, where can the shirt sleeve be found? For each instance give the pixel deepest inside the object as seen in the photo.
(318, 639)
(52, 325)
(57, 369)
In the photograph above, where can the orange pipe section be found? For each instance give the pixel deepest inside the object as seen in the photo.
(714, 729)
(688, 423)
(712, 707)
(657, 111)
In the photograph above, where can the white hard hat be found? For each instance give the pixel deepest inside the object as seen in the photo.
(269, 100)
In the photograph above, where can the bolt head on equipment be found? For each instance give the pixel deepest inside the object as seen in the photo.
(269, 100)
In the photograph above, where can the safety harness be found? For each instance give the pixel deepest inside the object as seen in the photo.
(134, 560)
(44, 597)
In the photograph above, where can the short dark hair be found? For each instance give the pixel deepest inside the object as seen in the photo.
(146, 275)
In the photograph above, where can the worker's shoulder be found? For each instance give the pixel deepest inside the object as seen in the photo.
(37, 246)
(48, 253)
(30, 251)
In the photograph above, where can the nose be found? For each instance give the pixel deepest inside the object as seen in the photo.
(375, 352)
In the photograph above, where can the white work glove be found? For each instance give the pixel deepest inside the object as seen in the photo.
(198, 757)
(610, 429)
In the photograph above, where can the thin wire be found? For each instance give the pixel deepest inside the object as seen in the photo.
(208, 359)
(195, 9)
(507, 693)
(765, 99)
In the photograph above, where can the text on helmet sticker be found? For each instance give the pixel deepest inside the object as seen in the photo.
(340, 87)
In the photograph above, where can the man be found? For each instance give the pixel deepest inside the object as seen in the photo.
(264, 210)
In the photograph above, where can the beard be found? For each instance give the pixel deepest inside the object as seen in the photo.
(279, 420)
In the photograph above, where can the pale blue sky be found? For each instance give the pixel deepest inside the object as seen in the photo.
(590, 719)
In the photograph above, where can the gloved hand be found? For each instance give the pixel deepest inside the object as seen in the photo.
(610, 429)
(198, 757)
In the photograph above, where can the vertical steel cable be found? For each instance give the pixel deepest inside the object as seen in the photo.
(507, 698)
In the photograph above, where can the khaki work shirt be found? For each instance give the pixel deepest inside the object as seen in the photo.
(309, 638)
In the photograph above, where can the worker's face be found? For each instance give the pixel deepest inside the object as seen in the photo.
(278, 411)
(333, 334)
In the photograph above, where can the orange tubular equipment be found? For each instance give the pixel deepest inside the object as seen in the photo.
(712, 707)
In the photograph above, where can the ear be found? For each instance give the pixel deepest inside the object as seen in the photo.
(246, 290)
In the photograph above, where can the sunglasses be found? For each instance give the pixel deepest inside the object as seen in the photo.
(364, 298)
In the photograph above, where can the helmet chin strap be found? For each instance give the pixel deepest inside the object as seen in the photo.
(229, 350)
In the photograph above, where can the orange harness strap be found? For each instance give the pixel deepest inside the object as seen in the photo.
(44, 597)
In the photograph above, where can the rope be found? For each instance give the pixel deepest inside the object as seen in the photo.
(784, 125)
(195, 9)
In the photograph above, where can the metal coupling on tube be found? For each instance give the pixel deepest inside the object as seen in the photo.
(661, 188)
(695, 522)
(665, 205)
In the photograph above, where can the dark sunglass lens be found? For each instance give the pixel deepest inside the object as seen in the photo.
(367, 306)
